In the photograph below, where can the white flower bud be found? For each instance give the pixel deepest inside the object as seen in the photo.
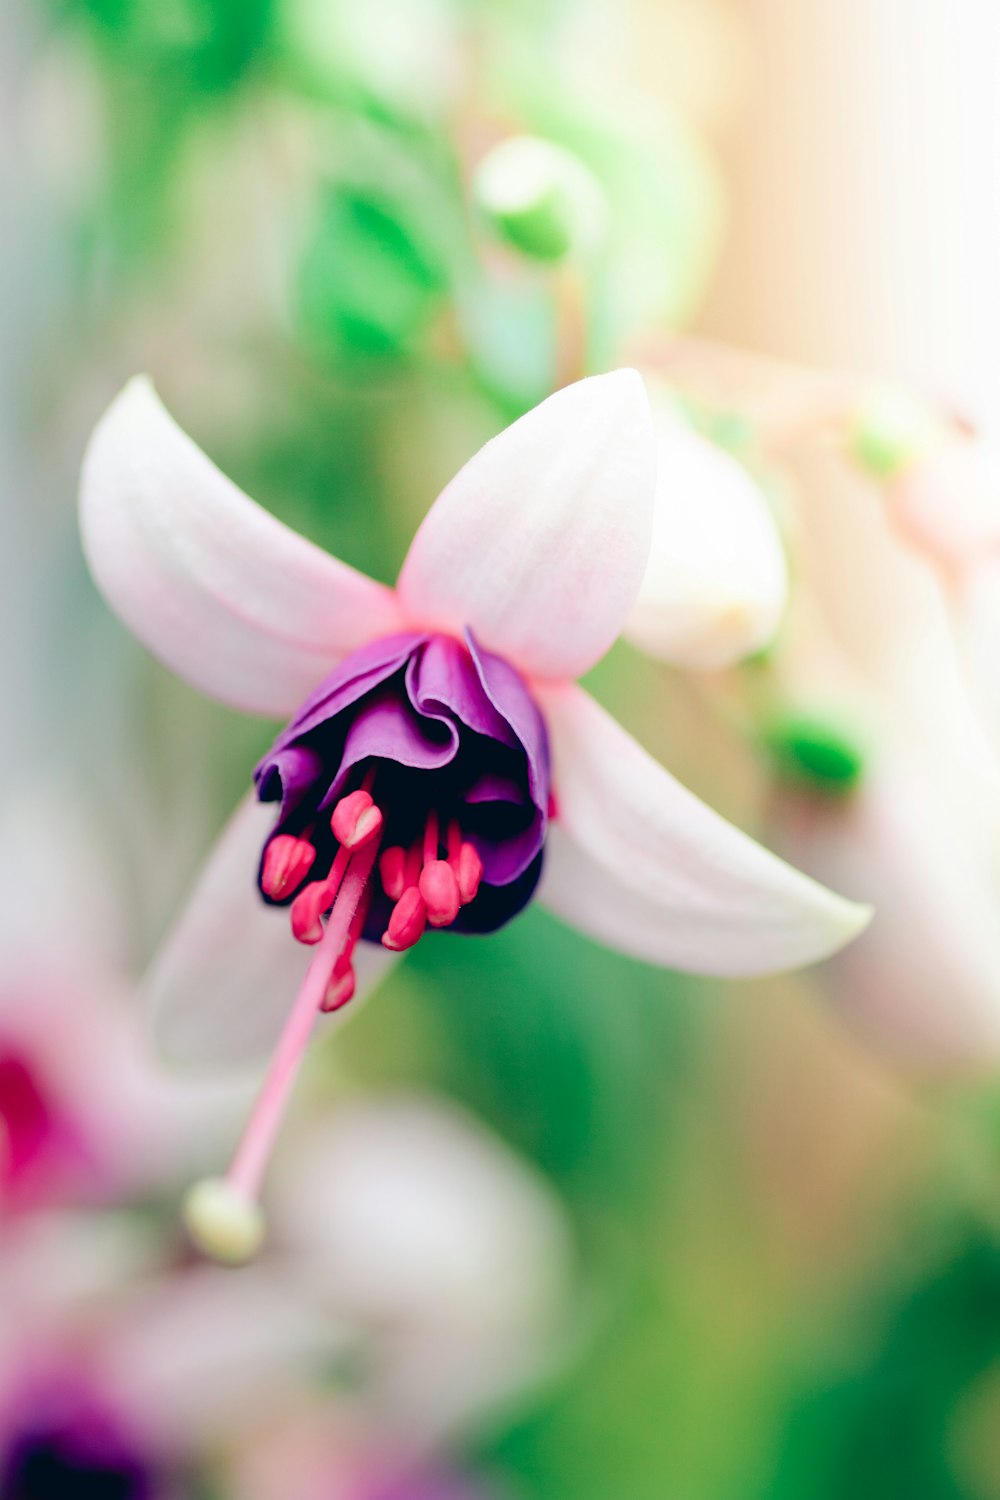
(716, 581)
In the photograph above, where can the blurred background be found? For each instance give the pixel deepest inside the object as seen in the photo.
(557, 1224)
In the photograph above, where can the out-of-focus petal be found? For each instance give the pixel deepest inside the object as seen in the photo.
(922, 985)
(540, 542)
(412, 1220)
(716, 582)
(222, 592)
(199, 1353)
(978, 634)
(946, 504)
(230, 969)
(639, 863)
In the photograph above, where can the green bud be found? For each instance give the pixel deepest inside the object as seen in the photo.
(809, 749)
(540, 199)
(891, 429)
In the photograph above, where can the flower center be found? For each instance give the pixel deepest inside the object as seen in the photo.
(427, 882)
(413, 792)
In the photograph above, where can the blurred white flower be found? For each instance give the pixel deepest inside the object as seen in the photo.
(920, 834)
(922, 986)
(448, 1256)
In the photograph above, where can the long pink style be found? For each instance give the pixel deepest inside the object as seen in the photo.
(250, 1161)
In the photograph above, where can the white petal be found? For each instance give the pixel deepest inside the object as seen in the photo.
(716, 582)
(223, 593)
(540, 542)
(229, 971)
(639, 863)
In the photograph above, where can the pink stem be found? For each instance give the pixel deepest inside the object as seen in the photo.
(250, 1161)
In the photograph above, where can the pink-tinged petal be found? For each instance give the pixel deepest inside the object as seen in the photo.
(222, 592)
(540, 542)
(638, 862)
(230, 970)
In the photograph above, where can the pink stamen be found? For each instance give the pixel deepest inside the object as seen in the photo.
(287, 862)
(392, 870)
(414, 863)
(454, 842)
(247, 1171)
(406, 921)
(431, 837)
(356, 819)
(305, 914)
(317, 898)
(339, 990)
(439, 889)
(469, 873)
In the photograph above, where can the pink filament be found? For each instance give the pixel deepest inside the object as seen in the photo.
(250, 1161)
(431, 837)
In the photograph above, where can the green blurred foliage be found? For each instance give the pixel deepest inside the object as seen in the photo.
(179, 47)
(369, 283)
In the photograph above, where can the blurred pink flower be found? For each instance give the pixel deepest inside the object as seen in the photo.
(84, 1115)
(117, 1372)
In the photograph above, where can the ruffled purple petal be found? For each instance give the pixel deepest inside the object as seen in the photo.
(387, 728)
(359, 674)
(447, 727)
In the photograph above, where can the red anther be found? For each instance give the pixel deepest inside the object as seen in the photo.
(287, 862)
(307, 908)
(553, 807)
(340, 989)
(439, 888)
(406, 921)
(392, 869)
(355, 819)
(469, 873)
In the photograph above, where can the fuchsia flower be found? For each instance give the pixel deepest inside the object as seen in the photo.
(438, 750)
